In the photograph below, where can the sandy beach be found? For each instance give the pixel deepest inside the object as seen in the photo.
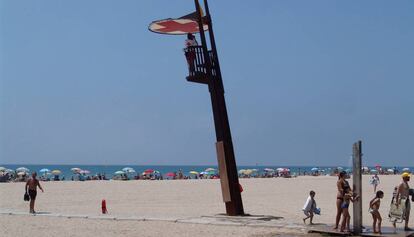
(175, 199)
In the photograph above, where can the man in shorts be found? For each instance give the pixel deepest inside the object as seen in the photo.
(31, 189)
(403, 193)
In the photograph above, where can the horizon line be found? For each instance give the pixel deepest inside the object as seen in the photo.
(253, 165)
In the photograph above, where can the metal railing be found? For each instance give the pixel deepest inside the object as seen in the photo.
(196, 63)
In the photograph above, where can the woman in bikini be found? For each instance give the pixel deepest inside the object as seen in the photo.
(341, 184)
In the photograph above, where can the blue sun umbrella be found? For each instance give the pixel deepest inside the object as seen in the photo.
(44, 170)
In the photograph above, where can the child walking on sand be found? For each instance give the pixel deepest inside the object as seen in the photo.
(346, 218)
(374, 206)
(310, 208)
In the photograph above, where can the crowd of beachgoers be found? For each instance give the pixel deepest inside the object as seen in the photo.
(21, 174)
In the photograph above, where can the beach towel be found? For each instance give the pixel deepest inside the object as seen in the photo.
(310, 206)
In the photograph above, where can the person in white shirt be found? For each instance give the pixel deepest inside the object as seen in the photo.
(375, 180)
(310, 207)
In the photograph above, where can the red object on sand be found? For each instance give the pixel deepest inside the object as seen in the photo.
(241, 188)
(104, 210)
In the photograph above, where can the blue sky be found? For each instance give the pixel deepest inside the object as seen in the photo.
(85, 82)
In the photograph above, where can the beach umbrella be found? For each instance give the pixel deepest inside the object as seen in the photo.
(75, 170)
(248, 172)
(156, 172)
(406, 170)
(21, 173)
(240, 171)
(148, 171)
(315, 169)
(119, 172)
(130, 171)
(210, 169)
(268, 170)
(3, 168)
(203, 173)
(22, 169)
(170, 174)
(374, 171)
(56, 172)
(213, 172)
(390, 170)
(193, 172)
(84, 172)
(10, 171)
(365, 169)
(44, 170)
(280, 169)
(339, 168)
(127, 170)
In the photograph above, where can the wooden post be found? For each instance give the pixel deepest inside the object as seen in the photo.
(357, 186)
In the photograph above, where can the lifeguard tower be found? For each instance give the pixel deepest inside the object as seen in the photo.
(204, 68)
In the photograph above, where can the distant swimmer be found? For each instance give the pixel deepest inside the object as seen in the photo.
(31, 188)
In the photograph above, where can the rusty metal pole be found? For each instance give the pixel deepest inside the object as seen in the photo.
(225, 153)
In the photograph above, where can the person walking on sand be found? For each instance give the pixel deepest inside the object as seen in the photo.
(31, 189)
(403, 198)
(374, 206)
(375, 180)
(309, 209)
(341, 185)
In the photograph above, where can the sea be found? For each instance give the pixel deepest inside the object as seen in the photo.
(109, 170)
